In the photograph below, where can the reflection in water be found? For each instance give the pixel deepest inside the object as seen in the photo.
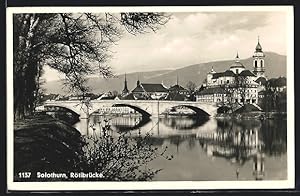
(183, 122)
(122, 124)
(211, 149)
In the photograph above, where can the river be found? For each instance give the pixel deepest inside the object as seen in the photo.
(210, 149)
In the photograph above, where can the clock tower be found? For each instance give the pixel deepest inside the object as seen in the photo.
(258, 61)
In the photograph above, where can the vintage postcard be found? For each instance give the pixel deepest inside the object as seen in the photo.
(150, 98)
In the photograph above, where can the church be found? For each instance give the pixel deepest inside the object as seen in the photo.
(144, 91)
(154, 91)
(236, 84)
(150, 91)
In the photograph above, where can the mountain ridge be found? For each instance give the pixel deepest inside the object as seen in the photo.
(195, 73)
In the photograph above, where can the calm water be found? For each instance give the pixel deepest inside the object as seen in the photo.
(211, 149)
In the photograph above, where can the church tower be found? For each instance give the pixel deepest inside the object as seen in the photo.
(210, 76)
(258, 61)
(125, 91)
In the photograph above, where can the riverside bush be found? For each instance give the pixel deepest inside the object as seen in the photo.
(120, 158)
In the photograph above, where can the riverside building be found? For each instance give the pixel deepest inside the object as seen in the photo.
(237, 84)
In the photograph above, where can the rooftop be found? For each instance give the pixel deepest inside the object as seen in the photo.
(261, 80)
(177, 87)
(210, 91)
(128, 97)
(232, 74)
(223, 74)
(247, 73)
(146, 87)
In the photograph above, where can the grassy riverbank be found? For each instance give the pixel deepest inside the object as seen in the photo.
(45, 144)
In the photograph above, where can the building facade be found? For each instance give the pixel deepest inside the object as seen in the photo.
(178, 93)
(115, 110)
(237, 84)
(154, 91)
(150, 91)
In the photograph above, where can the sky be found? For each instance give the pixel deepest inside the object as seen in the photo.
(197, 37)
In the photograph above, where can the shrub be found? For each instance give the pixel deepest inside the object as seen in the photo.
(120, 158)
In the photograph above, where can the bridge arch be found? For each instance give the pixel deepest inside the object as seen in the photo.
(144, 113)
(47, 108)
(198, 111)
(139, 110)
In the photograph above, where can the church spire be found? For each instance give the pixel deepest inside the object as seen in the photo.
(258, 60)
(138, 80)
(125, 90)
(237, 58)
(177, 80)
(258, 47)
(212, 71)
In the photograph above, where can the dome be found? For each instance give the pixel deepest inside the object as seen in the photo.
(258, 47)
(212, 71)
(237, 63)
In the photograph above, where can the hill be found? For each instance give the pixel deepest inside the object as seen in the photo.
(275, 65)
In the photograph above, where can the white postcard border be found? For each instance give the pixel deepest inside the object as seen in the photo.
(154, 185)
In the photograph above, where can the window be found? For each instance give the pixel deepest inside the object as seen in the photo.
(255, 64)
(261, 63)
(227, 81)
(237, 71)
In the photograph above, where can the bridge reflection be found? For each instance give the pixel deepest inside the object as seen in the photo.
(244, 134)
(242, 144)
(183, 123)
(172, 125)
(123, 124)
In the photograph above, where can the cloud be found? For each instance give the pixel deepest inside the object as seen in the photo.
(191, 38)
(235, 21)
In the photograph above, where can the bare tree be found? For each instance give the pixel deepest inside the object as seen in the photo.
(236, 92)
(240, 87)
(191, 86)
(273, 100)
(115, 93)
(75, 44)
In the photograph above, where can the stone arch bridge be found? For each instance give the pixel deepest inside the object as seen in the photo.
(148, 108)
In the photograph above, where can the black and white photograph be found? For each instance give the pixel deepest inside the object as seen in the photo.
(147, 98)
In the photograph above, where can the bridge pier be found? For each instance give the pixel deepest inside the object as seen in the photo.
(84, 126)
(155, 110)
(84, 120)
